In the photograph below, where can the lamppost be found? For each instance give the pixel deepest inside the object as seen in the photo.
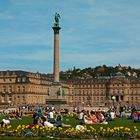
(113, 101)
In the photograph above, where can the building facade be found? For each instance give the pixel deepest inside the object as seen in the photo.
(107, 91)
(20, 88)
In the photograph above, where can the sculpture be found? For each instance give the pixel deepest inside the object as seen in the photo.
(56, 17)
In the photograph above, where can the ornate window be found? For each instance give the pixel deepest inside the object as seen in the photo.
(10, 98)
(23, 79)
(23, 89)
(3, 98)
(10, 89)
(23, 98)
(18, 88)
(18, 79)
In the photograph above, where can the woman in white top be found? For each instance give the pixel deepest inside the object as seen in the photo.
(47, 123)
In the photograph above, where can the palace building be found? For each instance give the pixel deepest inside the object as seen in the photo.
(103, 91)
(20, 88)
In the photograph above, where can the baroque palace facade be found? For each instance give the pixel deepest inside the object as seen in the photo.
(107, 91)
(20, 88)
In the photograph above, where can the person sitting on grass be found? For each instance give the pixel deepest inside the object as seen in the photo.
(81, 115)
(58, 122)
(135, 116)
(40, 122)
(5, 122)
(87, 119)
(51, 115)
(94, 117)
(112, 114)
(108, 116)
(46, 123)
(35, 118)
(80, 127)
(101, 118)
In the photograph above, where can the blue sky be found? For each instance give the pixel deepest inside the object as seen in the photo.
(94, 32)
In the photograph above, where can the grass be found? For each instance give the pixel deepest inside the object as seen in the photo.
(25, 120)
(73, 121)
(116, 122)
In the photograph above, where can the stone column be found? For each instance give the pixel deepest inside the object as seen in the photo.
(56, 53)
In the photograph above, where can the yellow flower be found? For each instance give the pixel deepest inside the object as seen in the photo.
(9, 126)
(111, 130)
(127, 129)
(27, 126)
(33, 127)
(55, 127)
(40, 128)
(101, 128)
(121, 127)
(72, 129)
(60, 128)
(135, 127)
(37, 126)
(18, 127)
(108, 130)
(23, 126)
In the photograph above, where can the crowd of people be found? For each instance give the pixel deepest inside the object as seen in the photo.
(96, 116)
(51, 118)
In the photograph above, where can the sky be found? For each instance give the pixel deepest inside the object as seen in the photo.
(93, 33)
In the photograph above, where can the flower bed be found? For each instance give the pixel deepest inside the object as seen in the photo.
(58, 132)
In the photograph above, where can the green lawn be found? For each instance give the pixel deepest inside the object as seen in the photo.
(117, 122)
(73, 121)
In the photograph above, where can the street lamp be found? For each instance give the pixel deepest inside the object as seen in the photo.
(113, 100)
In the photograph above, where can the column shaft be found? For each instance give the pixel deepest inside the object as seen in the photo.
(56, 57)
